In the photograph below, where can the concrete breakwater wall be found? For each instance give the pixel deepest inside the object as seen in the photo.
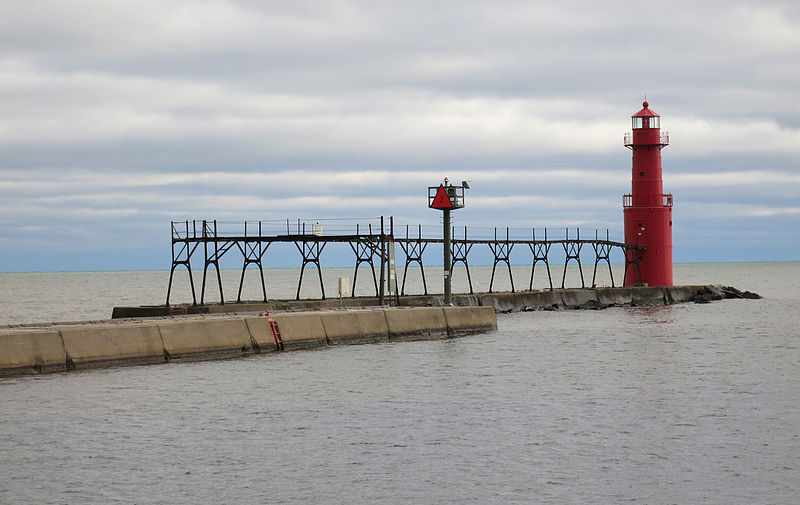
(589, 298)
(600, 298)
(59, 347)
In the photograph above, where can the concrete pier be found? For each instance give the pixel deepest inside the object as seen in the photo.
(68, 346)
(232, 330)
(574, 298)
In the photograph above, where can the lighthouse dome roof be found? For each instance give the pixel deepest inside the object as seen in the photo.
(646, 112)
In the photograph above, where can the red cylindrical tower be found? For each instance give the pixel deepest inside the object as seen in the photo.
(648, 210)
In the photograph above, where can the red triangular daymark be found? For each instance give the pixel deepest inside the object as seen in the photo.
(441, 200)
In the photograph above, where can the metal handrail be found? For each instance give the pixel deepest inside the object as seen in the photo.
(655, 200)
(627, 139)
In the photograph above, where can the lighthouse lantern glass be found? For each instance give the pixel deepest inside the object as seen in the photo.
(646, 122)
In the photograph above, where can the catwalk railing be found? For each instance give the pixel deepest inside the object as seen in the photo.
(374, 239)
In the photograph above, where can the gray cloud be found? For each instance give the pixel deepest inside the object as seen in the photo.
(118, 118)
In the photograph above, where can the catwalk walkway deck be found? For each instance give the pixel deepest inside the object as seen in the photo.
(375, 239)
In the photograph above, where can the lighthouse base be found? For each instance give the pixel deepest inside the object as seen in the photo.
(650, 227)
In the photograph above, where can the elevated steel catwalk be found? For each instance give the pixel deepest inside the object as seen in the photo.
(369, 240)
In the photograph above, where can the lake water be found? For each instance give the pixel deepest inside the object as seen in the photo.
(653, 405)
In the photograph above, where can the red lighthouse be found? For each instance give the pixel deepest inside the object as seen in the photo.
(648, 210)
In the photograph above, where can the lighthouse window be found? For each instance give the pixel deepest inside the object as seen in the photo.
(641, 174)
(646, 122)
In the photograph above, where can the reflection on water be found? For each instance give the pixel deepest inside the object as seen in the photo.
(653, 315)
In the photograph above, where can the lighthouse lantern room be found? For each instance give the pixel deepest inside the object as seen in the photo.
(647, 209)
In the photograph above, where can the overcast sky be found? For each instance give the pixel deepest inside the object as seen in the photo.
(118, 117)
